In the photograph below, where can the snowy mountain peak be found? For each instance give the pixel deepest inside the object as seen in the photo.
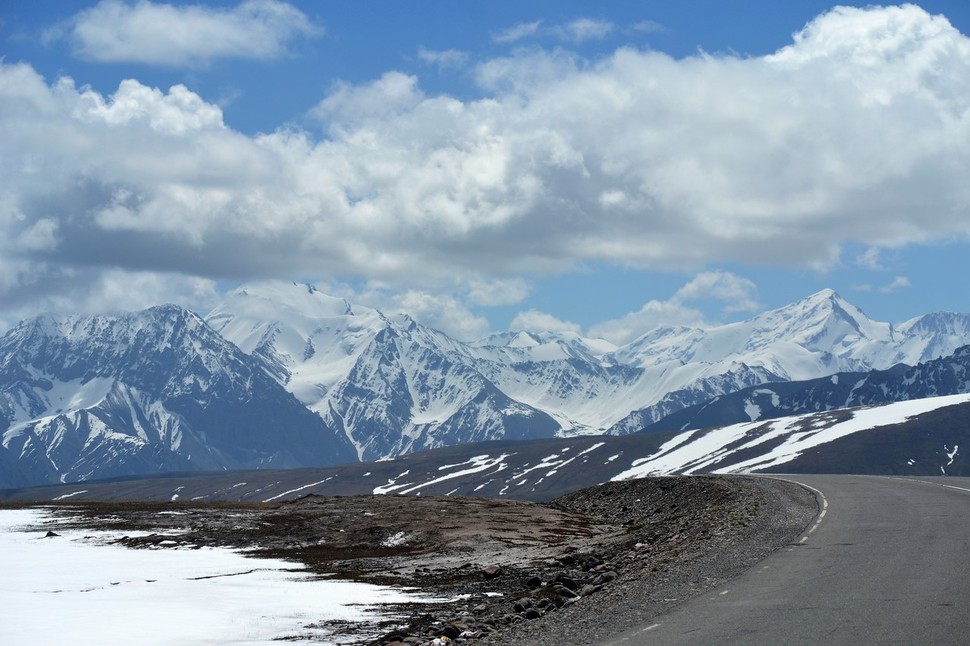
(947, 323)
(523, 340)
(98, 396)
(822, 320)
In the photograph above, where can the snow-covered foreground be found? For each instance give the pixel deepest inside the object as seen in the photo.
(76, 589)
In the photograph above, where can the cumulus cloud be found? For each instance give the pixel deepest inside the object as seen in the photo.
(444, 313)
(536, 321)
(86, 290)
(737, 294)
(653, 314)
(162, 34)
(853, 134)
(498, 292)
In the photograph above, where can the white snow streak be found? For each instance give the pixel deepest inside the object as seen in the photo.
(307, 486)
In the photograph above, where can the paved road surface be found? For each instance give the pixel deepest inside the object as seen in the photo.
(887, 563)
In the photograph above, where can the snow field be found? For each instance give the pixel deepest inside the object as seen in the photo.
(77, 589)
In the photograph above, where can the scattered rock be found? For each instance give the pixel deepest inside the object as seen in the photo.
(491, 571)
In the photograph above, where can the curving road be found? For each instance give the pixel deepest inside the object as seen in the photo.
(887, 562)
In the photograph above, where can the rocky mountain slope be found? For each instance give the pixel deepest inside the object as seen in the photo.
(157, 390)
(948, 375)
(391, 386)
(395, 386)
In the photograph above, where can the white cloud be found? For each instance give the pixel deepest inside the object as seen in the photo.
(649, 27)
(871, 259)
(164, 34)
(853, 135)
(897, 283)
(498, 292)
(517, 32)
(576, 31)
(653, 314)
(583, 29)
(736, 293)
(536, 321)
(97, 291)
(444, 59)
(443, 313)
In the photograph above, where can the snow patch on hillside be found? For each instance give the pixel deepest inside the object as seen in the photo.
(694, 451)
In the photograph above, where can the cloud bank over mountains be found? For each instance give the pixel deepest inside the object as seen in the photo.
(855, 133)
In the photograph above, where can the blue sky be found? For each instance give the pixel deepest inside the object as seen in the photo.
(560, 165)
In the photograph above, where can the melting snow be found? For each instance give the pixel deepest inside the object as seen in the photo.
(70, 495)
(476, 464)
(752, 410)
(306, 486)
(951, 454)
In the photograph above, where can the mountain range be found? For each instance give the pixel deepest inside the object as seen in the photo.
(145, 392)
(282, 375)
(921, 437)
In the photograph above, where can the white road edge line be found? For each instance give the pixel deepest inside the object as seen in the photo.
(644, 630)
(927, 482)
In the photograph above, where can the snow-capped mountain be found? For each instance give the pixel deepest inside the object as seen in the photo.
(282, 374)
(394, 386)
(391, 386)
(157, 390)
(816, 337)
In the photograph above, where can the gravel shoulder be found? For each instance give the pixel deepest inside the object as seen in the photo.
(594, 563)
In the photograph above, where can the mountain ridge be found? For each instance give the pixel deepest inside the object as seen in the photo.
(84, 397)
(99, 396)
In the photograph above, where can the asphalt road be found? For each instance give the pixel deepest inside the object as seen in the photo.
(888, 562)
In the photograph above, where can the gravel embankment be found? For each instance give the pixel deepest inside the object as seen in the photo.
(720, 528)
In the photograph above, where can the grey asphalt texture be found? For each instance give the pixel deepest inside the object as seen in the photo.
(887, 563)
